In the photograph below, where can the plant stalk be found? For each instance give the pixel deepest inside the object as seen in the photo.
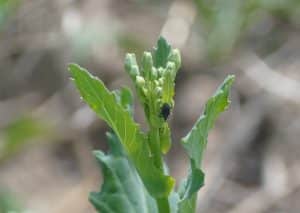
(163, 205)
(154, 143)
(155, 147)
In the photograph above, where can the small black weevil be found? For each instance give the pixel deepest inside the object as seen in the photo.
(165, 111)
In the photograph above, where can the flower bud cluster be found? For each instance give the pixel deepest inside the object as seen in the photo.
(155, 85)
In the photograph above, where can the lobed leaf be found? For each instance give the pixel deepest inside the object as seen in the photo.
(125, 98)
(104, 103)
(122, 190)
(195, 142)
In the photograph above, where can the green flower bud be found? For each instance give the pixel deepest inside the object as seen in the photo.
(175, 58)
(131, 66)
(160, 71)
(161, 81)
(145, 91)
(140, 81)
(154, 73)
(147, 64)
(158, 91)
(134, 71)
(171, 68)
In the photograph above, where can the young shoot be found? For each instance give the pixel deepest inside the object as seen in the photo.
(135, 174)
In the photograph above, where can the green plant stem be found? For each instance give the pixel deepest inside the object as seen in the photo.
(194, 202)
(154, 143)
(155, 147)
(163, 205)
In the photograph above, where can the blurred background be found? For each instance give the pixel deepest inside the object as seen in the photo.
(252, 162)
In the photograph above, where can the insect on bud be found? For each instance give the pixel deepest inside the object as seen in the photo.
(165, 111)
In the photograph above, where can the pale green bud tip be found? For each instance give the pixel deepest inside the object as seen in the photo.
(145, 91)
(154, 73)
(158, 90)
(147, 64)
(161, 81)
(171, 67)
(171, 70)
(160, 71)
(134, 71)
(176, 58)
(147, 59)
(140, 80)
(131, 64)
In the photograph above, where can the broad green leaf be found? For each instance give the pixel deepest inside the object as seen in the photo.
(122, 190)
(161, 53)
(188, 205)
(125, 98)
(194, 181)
(134, 142)
(196, 140)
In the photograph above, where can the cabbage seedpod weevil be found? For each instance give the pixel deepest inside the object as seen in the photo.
(165, 111)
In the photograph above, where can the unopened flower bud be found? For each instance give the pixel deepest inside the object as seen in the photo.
(161, 81)
(171, 68)
(154, 73)
(147, 64)
(145, 91)
(158, 91)
(131, 66)
(160, 71)
(140, 81)
(176, 58)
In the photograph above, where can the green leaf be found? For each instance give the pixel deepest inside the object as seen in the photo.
(196, 140)
(134, 142)
(125, 99)
(194, 181)
(122, 190)
(188, 205)
(161, 53)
